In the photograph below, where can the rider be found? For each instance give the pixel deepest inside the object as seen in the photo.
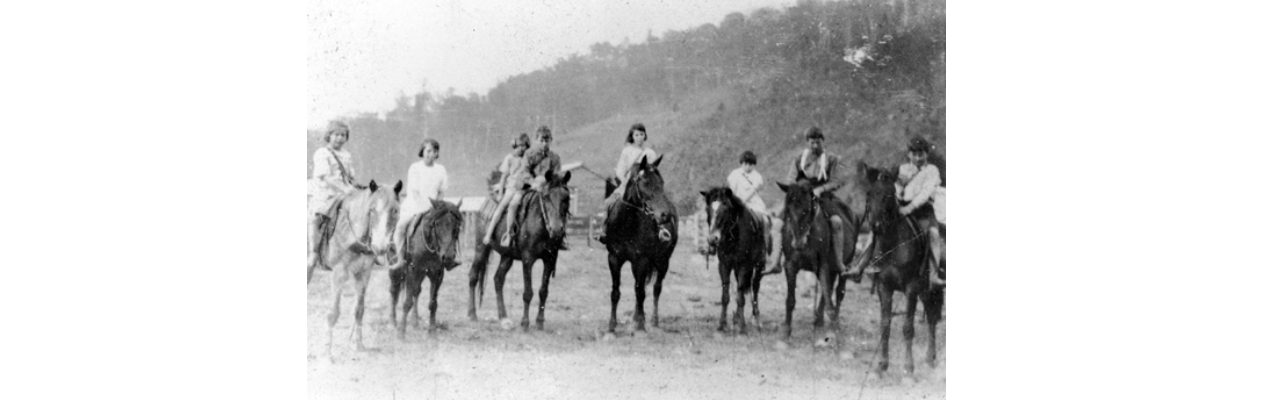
(512, 180)
(825, 171)
(426, 180)
(745, 182)
(332, 178)
(540, 164)
(917, 185)
(630, 157)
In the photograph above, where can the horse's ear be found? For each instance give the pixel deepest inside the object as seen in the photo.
(705, 195)
(373, 186)
(565, 179)
(657, 161)
(728, 192)
(644, 162)
(460, 205)
(784, 187)
(397, 189)
(861, 167)
(800, 176)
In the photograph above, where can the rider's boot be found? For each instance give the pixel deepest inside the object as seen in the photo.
(840, 248)
(773, 262)
(513, 207)
(937, 255)
(399, 240)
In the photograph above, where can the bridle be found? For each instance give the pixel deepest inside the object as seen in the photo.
(430, 234)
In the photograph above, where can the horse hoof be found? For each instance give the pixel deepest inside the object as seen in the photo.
(781, 345)
(718, 335)
(506, 324)
(539, 325)
(909, 369)
(608, 337)
(931, 363)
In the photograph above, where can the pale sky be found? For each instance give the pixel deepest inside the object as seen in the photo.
(362, 53)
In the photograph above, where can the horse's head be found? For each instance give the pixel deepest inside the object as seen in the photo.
(381, 208)
(444, 230)
(881, 205)
(645, 189)
(800, 210)
(556, 204)
(721, 205)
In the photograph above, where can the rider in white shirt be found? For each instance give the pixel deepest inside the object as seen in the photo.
(745, 183)
(425, 181)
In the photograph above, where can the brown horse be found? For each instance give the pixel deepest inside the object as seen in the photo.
(360, 231)
(431, 245)
(737, 235)
(539, 236)
(807, 245)
(644, 232)
(901, 250)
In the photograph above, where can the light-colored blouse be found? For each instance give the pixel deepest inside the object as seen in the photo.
(746, 187)
(629, 158)
(329, 181)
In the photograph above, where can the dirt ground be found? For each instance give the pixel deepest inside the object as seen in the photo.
(571, 358)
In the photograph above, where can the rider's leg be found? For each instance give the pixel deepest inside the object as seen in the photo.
(315, 236)
(840, 248)
(399, 241)
(773, 262)
(513, 206)
(937, 251)
(497, 214)
(611, 211)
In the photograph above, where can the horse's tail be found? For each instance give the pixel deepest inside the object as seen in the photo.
(480, 262)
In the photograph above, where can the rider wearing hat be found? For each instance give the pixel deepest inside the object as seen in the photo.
(917, 185)
(825, 172)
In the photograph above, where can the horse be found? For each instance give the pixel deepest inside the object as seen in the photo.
(902, 251)
(644, 232)
(360, 231)
(539, 236)
(807, 245)
(738, 236)
(432, 241)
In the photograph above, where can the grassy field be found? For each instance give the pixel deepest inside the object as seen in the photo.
(572, 358)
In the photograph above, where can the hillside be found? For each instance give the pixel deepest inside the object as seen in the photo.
(870, 73)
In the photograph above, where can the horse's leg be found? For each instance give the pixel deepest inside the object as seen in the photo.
(723, 296)
(549, 264)
(818, 314)
(505, 263)
(931, 305)
(756, 276)
(417, 282)
(791, 275)
(743, 285)
(911, 305)
(338, 275)
(640, 271)
(615, 272)
(884, 324)
(394, 286)
(828, 287)
(435, 279)
(361, 279)
(657, 287)
(527, 265)
(408, 303)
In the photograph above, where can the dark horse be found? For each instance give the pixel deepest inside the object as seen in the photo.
(901, 251)
(432, 240)
(737, 235)
(807, 245)
(539, 237)
(644, 231)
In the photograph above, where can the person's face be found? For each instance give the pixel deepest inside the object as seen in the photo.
(339, 139)
(917, 157)
(430, 155)
(518, 149)
(544, 142)
(747, 167)
(638, 137)
(816, 144)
